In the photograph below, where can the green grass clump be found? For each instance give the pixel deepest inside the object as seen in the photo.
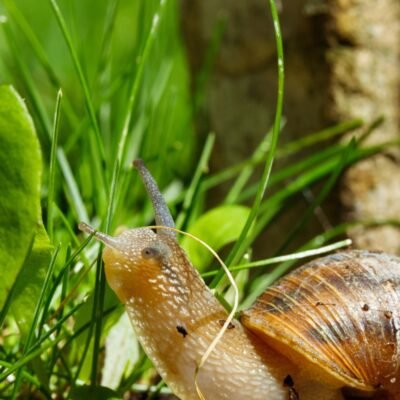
(106, 82)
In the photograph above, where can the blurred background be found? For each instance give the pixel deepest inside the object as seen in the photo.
(213, 69)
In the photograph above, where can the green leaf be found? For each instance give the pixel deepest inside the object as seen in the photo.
(30, 281)
(218, 227)
(20, 174)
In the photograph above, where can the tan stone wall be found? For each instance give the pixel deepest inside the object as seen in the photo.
(364, 55)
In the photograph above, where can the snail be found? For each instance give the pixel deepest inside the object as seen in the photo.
(330, 324)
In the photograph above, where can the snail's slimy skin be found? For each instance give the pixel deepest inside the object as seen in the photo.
(176, 317)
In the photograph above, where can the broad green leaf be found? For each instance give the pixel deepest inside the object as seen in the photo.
(30, 281)
(218, 227)
(20, 174)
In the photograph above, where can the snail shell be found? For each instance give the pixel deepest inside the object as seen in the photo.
(337, 316)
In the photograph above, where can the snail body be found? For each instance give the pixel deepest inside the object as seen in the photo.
(330, 324)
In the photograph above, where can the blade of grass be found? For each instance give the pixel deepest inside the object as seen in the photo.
(57, 326)
(50, 296)
(319, 240)
(68, 227)
(234, 254)
(291, 171)
(109, 25)
(230, 172)
(287, 257)
(96, 147)
(376, 123)
(247, 171)
(73, 291)
(129, 110)
(26, 375)
(76, 202)
(59, 277)
(141, 366)
(318, 211)
(38, 309)
(327, 187)
(209, 60)
(103, 78)
(320, 136)
(98, 302)
(75, 197)
(60, 314)
(272, 205)
(224, 175)
(52, 173)
(151, 395)
(202, 168)
(26, 78)
(20, 364)
(78, 67)
(19, 19)
(275, 203)
(314, 174)
(314, 159)
(88, 326)
(36, 350)
(97, 313)
(24, 27)
(56, 329)
(312, 138)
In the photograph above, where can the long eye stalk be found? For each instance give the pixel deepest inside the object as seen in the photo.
(106, 239)
(161, 210)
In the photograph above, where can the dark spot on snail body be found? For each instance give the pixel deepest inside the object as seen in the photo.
(182, 331)
(365, 307)
(288, 382)
(222, 321)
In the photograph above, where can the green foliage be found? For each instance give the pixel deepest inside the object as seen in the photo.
(218, 228)
(124, 93)
(30, 281)
(20, 174)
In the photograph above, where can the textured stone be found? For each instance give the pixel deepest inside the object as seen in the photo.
(365, 80)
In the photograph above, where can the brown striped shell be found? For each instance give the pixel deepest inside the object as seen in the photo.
(338, 315)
